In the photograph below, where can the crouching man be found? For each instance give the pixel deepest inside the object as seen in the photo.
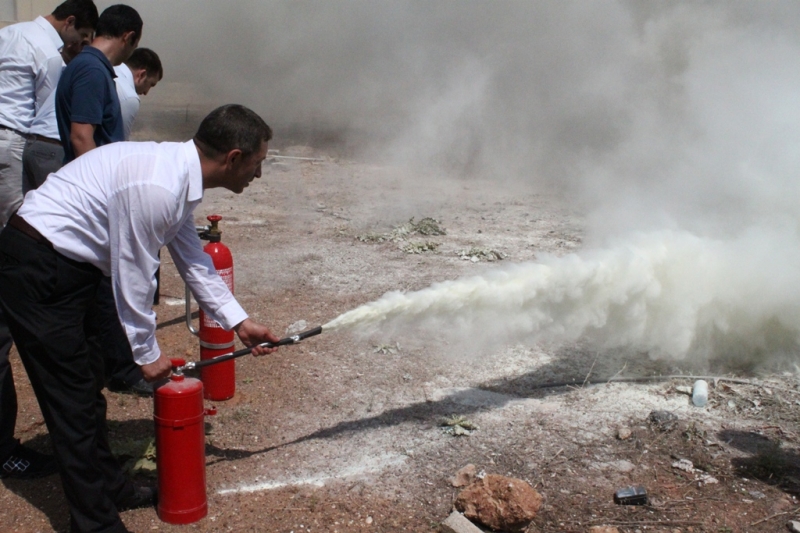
(107, 214)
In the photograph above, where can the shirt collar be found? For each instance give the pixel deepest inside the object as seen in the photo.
(195, 172)
(124, 71)
(100, 55)
(50, 31)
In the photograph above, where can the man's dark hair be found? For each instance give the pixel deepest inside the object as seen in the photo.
(144, 58)
(84, 11)
(118, 19)
(231, 127)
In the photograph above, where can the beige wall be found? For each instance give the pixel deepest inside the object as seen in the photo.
(30, 9)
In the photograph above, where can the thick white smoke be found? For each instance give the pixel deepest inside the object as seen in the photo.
(669, 294)
(675, 125)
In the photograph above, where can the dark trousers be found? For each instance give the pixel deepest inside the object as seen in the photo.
(121, 371)
(50, 306)
(8, 394)
(39, 160)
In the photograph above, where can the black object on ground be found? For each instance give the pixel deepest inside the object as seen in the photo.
(631, 496)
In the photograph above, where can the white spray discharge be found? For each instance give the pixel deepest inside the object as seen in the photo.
(670, 294)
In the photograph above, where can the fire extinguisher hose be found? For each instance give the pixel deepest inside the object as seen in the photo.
(244, 351)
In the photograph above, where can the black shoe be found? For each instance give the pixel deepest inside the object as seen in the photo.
(142, 496)
(141, 387)
(25, 463)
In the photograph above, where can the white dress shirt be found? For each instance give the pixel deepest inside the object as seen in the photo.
(128, 99)
(30, 66)
(115, 207)
(44, 123)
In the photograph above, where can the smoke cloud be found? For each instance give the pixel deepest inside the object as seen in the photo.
(675, 125)
(668, 294)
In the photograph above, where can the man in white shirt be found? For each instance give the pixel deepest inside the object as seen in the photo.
(43, 153)
(30, 66)
(107, 214)
(135, 77)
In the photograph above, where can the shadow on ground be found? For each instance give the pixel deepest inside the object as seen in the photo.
(767, 460)
(45, 493)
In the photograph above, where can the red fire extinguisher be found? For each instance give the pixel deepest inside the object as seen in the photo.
(180, 448)
(220, 381)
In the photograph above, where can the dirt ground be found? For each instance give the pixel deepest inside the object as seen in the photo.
(341, 433)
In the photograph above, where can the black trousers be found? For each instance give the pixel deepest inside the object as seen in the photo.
(8, 394)
(121, 371)
(50, 306)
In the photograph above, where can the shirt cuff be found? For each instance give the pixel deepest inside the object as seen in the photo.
(147, 354)
(230, 315)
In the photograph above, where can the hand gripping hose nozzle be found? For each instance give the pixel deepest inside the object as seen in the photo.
(244, 351)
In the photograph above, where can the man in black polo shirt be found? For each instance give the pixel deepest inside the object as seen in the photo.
(87, 106)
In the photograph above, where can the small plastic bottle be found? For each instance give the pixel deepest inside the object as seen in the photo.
(700, 393)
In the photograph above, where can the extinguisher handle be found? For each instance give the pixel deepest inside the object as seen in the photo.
(244, 351)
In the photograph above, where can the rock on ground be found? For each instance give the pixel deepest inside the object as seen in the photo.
(456, 523)
(499, 502)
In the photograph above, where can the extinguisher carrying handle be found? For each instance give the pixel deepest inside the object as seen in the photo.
(244, 351)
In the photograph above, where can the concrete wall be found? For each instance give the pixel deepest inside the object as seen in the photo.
(30, 9)
(12, 11)
(8, 12)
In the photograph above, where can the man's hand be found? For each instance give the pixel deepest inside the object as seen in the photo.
(252, 334)
(158, 369)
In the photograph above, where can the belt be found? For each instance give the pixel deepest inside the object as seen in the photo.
(48, 140)
(15, 131)
(19, 224)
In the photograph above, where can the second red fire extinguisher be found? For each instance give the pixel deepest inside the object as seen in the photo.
(219, 381)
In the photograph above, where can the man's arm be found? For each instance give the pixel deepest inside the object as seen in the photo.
(82, 137)
(138, 217)
(197, 270)
(129, 107)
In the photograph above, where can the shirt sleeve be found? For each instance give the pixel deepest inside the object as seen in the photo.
(139, 215)
(197, 270)
(129, 108)
(46, 80)
(88, 97)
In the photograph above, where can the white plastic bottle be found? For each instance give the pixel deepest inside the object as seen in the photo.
(700, 393)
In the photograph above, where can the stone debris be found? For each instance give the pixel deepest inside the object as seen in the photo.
(481, 254)
(701, 477)
(458, 425)
(499, 502)
(624, 433)
(662, 420)
(457, 523)
(136, 456)
(427, 226)
(793, 526)
(603, 529)
(419, 247)
(684, 464)
(465, 476)
(387, 349)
